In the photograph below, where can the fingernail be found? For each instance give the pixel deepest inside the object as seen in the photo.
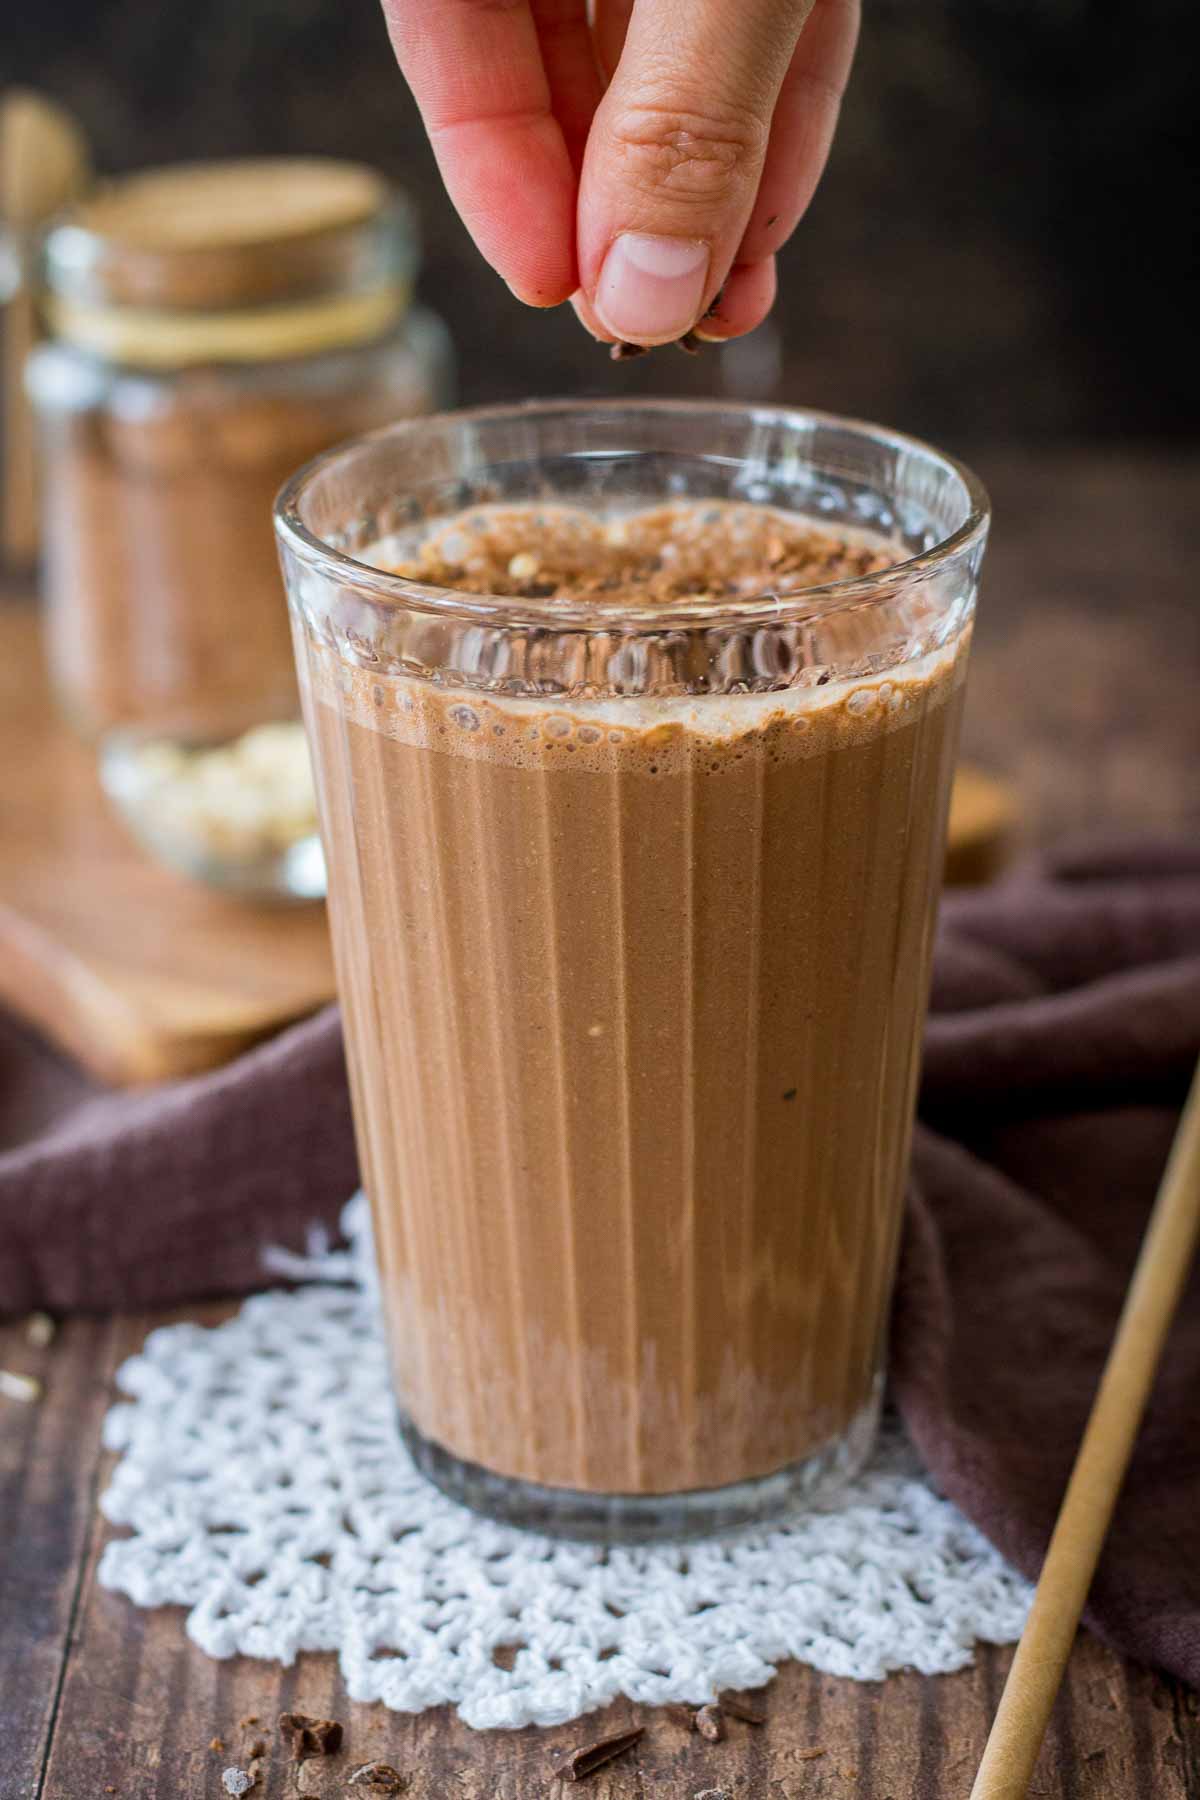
(651, 288)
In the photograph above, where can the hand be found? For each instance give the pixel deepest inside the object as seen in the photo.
(640, 164)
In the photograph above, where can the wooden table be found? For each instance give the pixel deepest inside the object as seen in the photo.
(1084, 690)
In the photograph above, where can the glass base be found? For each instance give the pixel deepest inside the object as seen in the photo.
(647, 1518)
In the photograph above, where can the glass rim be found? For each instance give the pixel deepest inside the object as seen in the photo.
(772, 606)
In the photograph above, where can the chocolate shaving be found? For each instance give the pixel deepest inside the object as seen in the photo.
(688, 342)
(378, 1778)
(309, 1737)
(736, 1705)
(679, 1714)
(716, 301)
(710, 1724)
(578, 1764)
(257, 1748)
(661, 556)
(216, 1743)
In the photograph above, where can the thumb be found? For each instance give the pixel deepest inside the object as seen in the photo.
(674, 158)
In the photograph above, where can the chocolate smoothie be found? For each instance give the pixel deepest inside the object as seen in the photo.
(633, 991)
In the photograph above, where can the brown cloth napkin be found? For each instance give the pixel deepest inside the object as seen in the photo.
(1065, 1023)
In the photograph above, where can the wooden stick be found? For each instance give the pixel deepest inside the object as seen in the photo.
(1033, 1681)
(43, 165)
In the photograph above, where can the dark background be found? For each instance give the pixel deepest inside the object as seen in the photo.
(1001, 251)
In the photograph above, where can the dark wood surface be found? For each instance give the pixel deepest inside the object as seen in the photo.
(100, 1698)
(1084, 690)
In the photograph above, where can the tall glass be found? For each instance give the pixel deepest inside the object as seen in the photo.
(632, 910)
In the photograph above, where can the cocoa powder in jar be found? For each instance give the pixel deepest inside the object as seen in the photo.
(218, 325)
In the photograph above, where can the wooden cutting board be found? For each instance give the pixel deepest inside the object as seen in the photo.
(143, 975)
(139, 973)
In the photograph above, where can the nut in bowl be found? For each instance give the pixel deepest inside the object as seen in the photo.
(240, 815)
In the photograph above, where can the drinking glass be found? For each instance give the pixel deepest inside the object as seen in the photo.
(632, 906)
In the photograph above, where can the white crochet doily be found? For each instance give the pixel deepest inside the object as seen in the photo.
(266, 1489)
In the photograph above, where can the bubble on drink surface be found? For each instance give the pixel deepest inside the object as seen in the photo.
(557, 726)
(589, 734)
(862, 700)
(465, 717)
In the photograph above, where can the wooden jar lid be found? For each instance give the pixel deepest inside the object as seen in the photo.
(218, 235)
(213, 205)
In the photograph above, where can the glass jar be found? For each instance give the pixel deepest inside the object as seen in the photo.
(214, 325)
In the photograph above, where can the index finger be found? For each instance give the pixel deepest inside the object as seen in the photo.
(476, 70)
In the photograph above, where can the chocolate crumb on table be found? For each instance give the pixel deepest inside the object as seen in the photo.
(39, 1330)
(309, 1737)
(710, 1724)
(24, 1388)
(378, 1778)
(750, 1712)
(578, 1764)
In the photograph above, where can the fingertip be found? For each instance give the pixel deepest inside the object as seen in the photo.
(544, 298)
(514, 190)
(743, 303)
